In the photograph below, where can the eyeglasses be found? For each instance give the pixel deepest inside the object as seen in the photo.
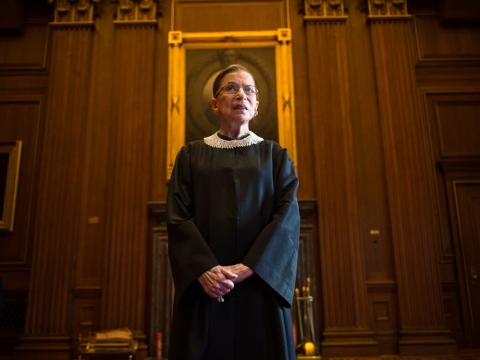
(232, 88)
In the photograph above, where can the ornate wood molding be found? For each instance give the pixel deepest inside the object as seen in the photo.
(468, 165)
(136, 11)
(324, 10)
(73, 12)
(387, 9)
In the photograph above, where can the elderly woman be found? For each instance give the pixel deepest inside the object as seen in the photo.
(233, 227)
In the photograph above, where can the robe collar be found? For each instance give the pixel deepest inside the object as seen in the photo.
(220, 143)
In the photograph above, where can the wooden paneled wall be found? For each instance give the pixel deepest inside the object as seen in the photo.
(387, 107)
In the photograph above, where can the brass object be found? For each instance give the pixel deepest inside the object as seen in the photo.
(473, 273)
(307, 345)
(119, 341)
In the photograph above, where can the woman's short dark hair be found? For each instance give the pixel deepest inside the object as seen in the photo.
(228, 70)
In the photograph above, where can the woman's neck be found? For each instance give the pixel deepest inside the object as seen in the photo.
(234, 132)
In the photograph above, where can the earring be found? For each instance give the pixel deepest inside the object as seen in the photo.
(256, 113)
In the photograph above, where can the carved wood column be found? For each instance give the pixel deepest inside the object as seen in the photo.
(410, 183)
(48, 323)
(125, 274)
(341, 249)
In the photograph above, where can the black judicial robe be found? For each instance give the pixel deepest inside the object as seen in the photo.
(224, 207)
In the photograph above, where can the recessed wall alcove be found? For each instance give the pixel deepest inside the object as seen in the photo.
(161, 292)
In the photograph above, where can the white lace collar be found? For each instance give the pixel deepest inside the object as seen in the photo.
(217, 142)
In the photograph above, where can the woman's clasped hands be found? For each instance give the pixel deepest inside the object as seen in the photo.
(219, 280)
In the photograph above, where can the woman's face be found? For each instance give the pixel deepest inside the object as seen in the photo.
(239, 107)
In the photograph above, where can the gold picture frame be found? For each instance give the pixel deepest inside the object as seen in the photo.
(267, 54)
(10, 152)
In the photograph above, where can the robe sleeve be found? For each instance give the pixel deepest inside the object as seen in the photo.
(273, 255)
(188, 251)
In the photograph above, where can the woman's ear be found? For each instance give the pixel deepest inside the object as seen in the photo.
(213, 102)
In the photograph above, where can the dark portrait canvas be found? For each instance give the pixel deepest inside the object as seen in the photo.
(202, 65)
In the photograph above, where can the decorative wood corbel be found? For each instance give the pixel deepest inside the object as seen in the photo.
(387, 9)
(136, 11)
(73, 12)
(324, 9)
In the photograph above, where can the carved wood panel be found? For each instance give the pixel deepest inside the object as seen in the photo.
(460, 191)
(454, 130)
(20, 121)
(383, 308)
(27, 53)
(453, 119)
(221, 16)
(438, 43)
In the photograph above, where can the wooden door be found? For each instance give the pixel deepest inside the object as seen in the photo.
(468, 212)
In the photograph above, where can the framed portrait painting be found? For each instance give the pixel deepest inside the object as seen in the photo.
(195, 59)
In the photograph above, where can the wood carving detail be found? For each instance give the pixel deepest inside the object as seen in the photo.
(387, 8)
(324, 8)
(73, 11)
(136, 10)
